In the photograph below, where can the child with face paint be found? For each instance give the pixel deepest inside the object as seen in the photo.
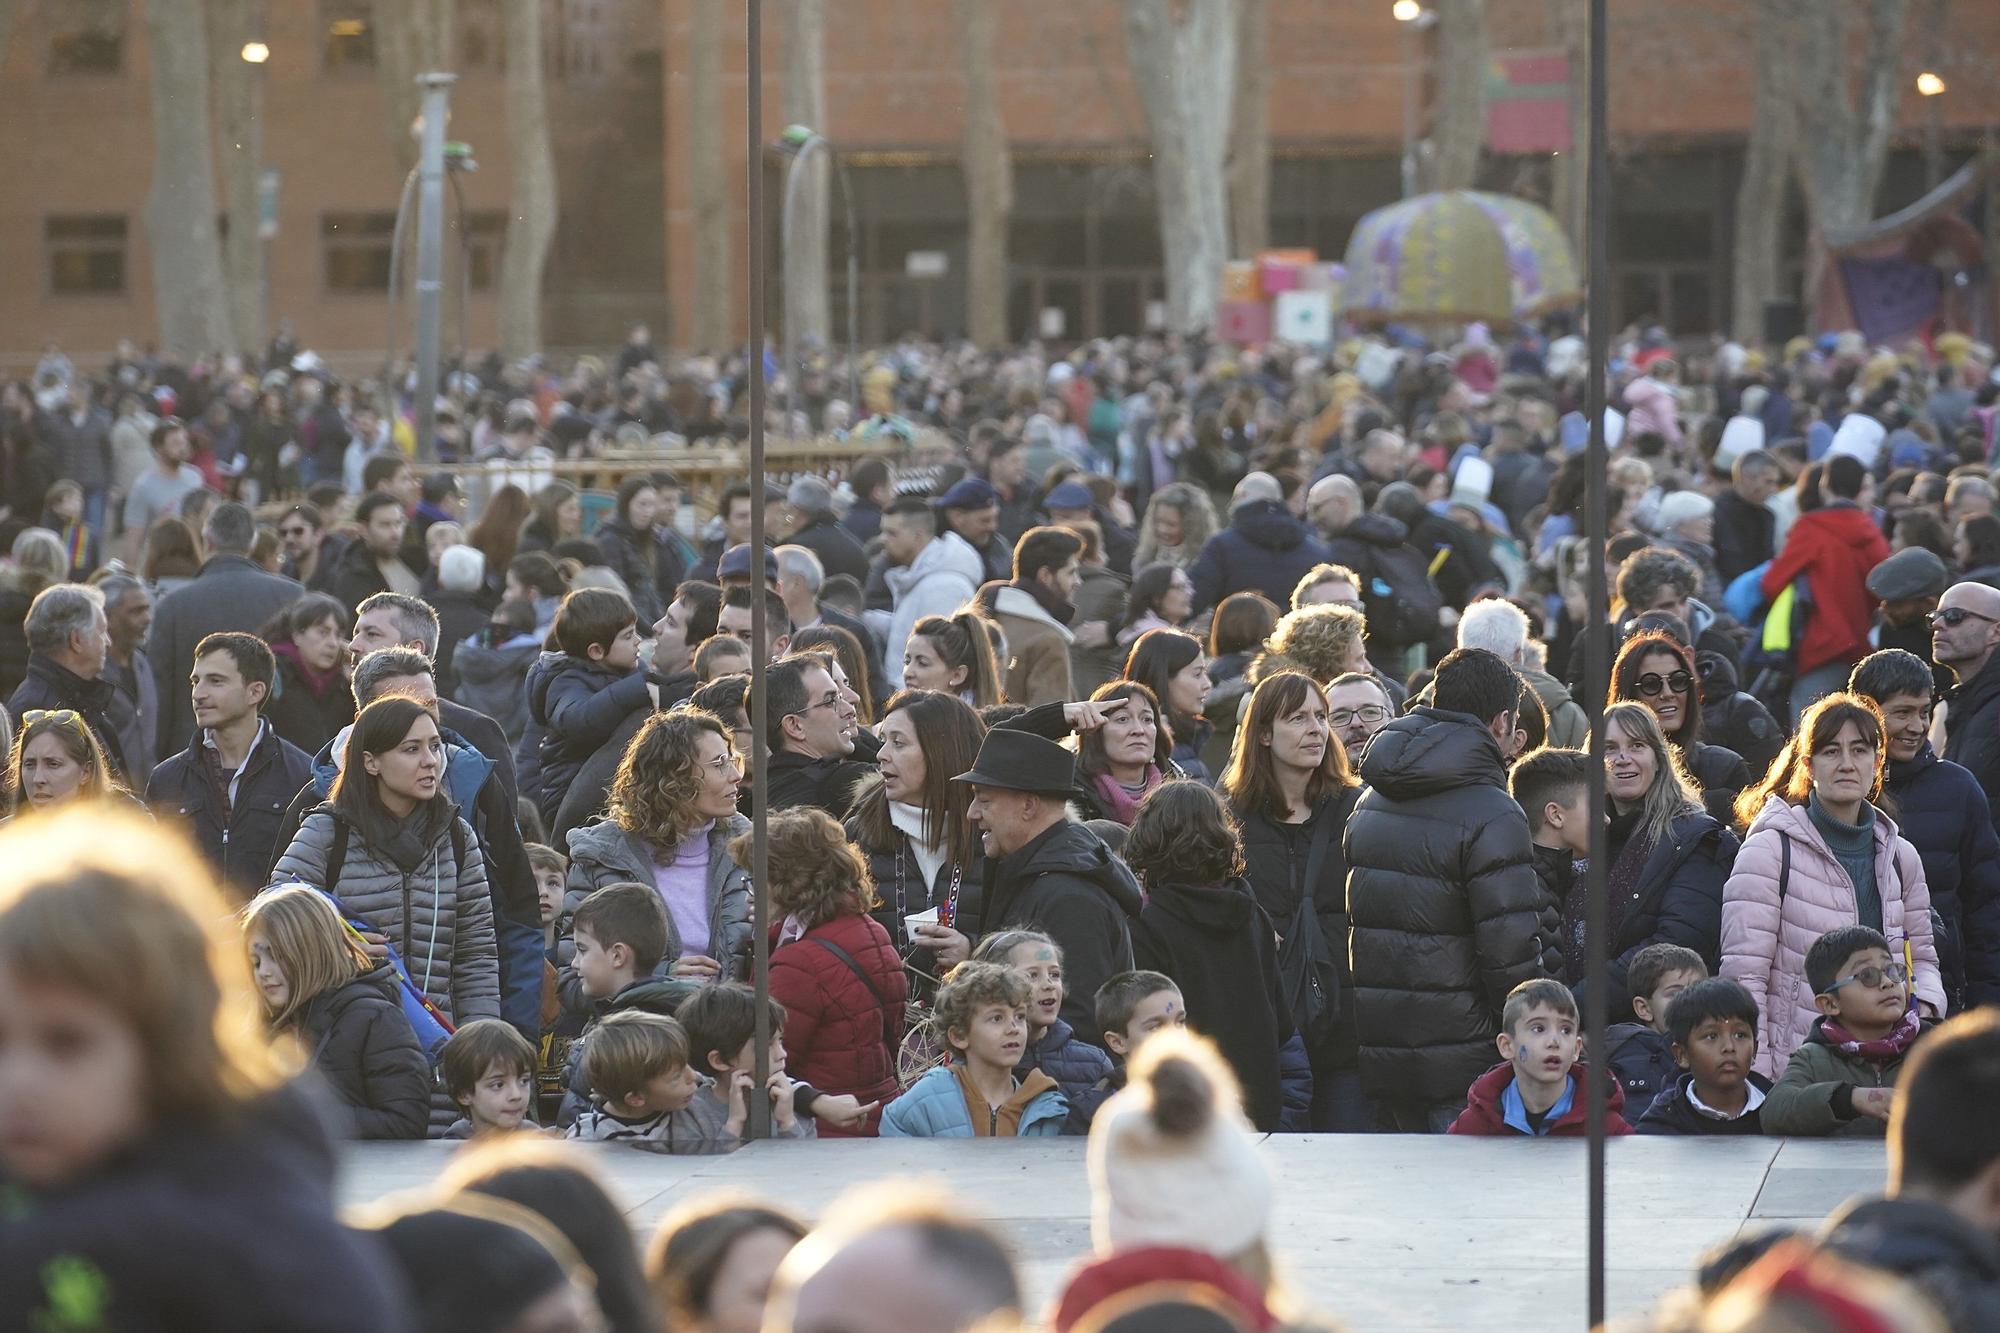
(1053, 1046)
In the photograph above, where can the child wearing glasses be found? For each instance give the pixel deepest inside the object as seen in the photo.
(1842, 1080)
(1820, 856)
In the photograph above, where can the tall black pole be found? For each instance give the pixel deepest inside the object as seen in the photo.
(760, 849)
(1597, 642)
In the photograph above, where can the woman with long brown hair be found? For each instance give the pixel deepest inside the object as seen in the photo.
(1292, 792)
(497, 534)
(1119, 763)
(954, 654)
(57, 759)
(1656, 670)
(557, 518)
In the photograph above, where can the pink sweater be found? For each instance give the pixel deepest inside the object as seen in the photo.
(1764, 943)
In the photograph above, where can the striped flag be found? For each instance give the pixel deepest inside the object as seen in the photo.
(1527, 102)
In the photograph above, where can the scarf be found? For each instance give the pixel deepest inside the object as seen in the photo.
(1046, 598)
(1120, 804)
(317, 682)
(1880, 1050)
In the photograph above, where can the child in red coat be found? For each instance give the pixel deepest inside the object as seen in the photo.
(1538, 1087)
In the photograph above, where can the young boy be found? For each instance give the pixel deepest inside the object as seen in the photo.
(982, 1010)
(550, 867)
(1843, 1078)
(1714, 1027)
(1641, 1054)
(1537, 1088)
(489, 1071)
(721, 1025)
(721, 655)
(1129, 1008)
(638, 1064)
(577, 697)
(1551, 787)
(620, 935)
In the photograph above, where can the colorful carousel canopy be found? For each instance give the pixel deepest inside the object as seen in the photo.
(1458, 256)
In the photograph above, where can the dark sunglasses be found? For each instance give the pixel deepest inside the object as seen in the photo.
(1653, 683)
(1954, 616)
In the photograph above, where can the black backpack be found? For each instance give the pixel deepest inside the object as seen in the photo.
(1398, 596)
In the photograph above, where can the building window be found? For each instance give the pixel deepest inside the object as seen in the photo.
(348, 35)
(357, 247)
(88, 37)
(86, 254)
(485, 233)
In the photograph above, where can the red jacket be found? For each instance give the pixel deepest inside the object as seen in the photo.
(1834, 548)
(1483, 1113)
(837, 1036)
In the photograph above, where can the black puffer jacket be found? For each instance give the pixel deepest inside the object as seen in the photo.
(1720, 773)
(1734, 718)
(1068, 884)
(1950, 1260)
(1972, 731)
(1678, 901)
(363, 1047)
(1274, 860)
(1443, 902)
(1942, 812)
(634, 556)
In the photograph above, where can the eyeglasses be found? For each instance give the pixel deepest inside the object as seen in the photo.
(1652, 683)
(62, 717)
(298, 530)
(831, 701)
(1347, 717)
(1871, 977)
(1951, 617)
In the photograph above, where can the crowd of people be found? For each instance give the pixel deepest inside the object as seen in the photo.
(1239, 691)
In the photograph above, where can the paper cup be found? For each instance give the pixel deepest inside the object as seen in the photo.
(915, 919)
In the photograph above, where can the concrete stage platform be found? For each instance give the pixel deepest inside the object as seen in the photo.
(1381, 1232)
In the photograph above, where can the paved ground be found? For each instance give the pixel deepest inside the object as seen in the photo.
(1383, 1232)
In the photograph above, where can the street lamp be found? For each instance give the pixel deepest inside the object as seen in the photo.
(1931, 87)
(1406, 11)
(255, 53)
(799, 142)
(1929, 84)
(1414, 18)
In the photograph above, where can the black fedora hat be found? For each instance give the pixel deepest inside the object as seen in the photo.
(1022, 761)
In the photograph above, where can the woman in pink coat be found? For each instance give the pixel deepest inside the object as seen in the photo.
(1847, 866)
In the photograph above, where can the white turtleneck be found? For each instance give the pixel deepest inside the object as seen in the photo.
(910, 819)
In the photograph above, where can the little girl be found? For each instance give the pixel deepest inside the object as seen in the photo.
(1053, 1046)
(62, 514)
(344, 1009)
(153, 1164)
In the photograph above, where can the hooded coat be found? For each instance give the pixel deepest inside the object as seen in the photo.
(1067, 884)
(573, 707)
(1569, 725)
(1221, 949)
(1733, 718)
(1766, 933)
(1037, 666)
(1443, 902)
(1833, 549)
(1485, 1111)
(1943, 813)
(934, 1108)
(493, 678)
(1266, 548)
(944, 576)
(363, 1046)
(1972, 731)
(605, 853)
(1815, 1093)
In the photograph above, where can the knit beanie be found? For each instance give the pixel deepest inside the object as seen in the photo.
(470, 1266)
(1172, 1158)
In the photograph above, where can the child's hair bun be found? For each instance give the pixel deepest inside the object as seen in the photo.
(1183, 1096)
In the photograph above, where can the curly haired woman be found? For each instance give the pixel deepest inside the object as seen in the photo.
(833, 967)
(668, 823)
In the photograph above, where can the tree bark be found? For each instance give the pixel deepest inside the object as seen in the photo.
(412, 37)
(1250, 131)
(532, 221)
(808, 317)
(1852, 120)
(1569, 193)
(1183, 56)
(989, 178)
(1767, 171)
(710, 321)
(180, 212)
(7, 10)
(1459, 136)
(239, 124)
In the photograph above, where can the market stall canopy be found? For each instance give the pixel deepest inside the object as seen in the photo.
(1458, 256)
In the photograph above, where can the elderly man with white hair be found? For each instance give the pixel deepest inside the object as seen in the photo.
(1265, 549)
(1687, 525)
(1501, 628)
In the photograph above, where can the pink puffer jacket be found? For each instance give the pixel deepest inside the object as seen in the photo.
(1764, 943)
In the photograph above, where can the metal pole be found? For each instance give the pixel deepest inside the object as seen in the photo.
(1409, 109)
(1597, 644)
(387, 389)
(853, 287)
(430, 256)
(760, 847)
(790, 366)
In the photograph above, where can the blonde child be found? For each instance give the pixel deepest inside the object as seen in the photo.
(982, 1014)
(344, 1008)
(489, 1073)
(637, 1064)
(153, 1160)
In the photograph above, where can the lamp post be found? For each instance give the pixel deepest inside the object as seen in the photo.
(799, 142)
(1931, 87)
(1414, 18)
(430, 256)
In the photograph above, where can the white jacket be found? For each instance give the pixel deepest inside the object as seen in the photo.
(942, 578)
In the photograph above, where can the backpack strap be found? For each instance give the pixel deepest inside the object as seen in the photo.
(891, 1014)
(1784, 867)
(458, 843)
(1316, 855)
(336, 856)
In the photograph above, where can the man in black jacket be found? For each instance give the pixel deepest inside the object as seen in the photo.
(811, 733)
(1443, 901)
(1965, 632)
(68, 641)
(236, 776)
(1046, 872)
(1745, 530)
(816, 529)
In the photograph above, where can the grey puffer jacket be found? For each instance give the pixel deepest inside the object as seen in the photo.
(439, 918)
(605, 853)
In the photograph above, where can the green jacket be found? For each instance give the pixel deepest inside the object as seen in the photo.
(1815, 1096)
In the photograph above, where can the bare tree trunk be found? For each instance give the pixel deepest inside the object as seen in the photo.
(1569, 194)
(7, 9)
(1767, 171)
(709, 323)
(1250, 131)
(239, 124)
(989, 178)
(180, 212)
(1460, 133)
(1843, 157)
(412, 37)
(1183, 54)
(808, 317)
(532, 221)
